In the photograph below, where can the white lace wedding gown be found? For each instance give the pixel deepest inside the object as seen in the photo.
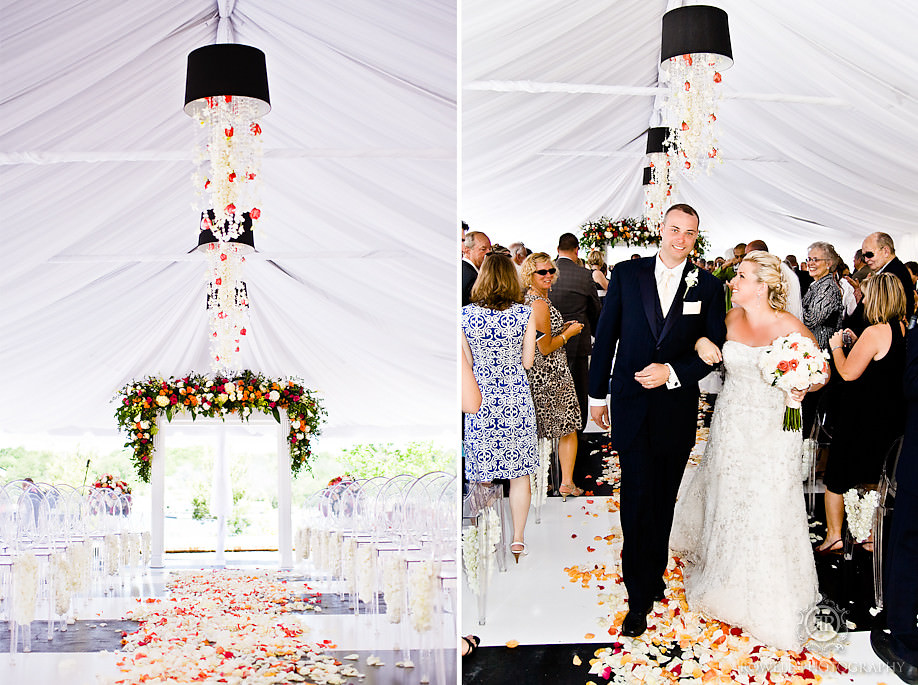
(741, 521)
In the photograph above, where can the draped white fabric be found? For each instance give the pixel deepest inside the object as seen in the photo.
(355, 284)
(834, 167)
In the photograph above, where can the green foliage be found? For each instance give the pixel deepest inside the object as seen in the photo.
(386, 459)
(199, 508)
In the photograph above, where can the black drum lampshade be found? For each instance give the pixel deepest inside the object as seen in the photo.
(656, 140)
(697, 29)
(246, 239)
(226, 69)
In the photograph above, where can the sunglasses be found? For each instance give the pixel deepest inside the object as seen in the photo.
(545, 272)
(818, 259)
(867, 255)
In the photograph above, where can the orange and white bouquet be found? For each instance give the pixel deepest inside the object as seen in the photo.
(793, 362)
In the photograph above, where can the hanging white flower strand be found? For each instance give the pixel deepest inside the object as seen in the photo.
(690, 112)
(657, 193)
(227, 304)
(228, 159)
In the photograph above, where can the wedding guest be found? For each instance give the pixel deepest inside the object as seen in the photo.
(728, 269)
(849, 298)
(913, 270)
(575, 296)
(553, 393)
(822, 313)
(635, 256)
(471, 393)
(599, 271)
(475, 245)
(519, 253)
(872, 370)
(861, 270)
(880, 254)
(499, 342)
(897, 645)
(822, 304)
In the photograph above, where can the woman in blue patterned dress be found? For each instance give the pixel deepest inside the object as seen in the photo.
(499, 341)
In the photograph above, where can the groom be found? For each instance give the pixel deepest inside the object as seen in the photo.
(655, 309)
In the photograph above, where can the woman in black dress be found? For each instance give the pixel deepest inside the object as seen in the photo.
(870, 412)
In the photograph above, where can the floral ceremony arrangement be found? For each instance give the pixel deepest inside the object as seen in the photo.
(109, 481)
(860, 512)
(793, 361)
(630, 232)
(243, 393)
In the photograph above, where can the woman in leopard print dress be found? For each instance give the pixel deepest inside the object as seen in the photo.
(553, 394)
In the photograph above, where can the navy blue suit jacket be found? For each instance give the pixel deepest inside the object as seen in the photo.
(631, 318)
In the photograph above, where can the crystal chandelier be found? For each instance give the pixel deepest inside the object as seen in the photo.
(695, 50)
(226, 92)
(658, 181)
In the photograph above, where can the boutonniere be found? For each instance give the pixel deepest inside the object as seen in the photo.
(691, 279)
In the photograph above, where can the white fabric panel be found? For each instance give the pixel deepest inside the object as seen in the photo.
(354, 286)
(793, 172)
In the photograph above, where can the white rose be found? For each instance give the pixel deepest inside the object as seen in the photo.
(222, 397)
(306, 428)
(229, 388)
(206, 405)
(162, 400)
(146, 435)
(274, 396)
(299, 436)
(144, 424)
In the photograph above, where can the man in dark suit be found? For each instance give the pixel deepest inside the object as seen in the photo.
(475, 245)
(880, 254)
(899, 647)
(656, 308)
(574, 295)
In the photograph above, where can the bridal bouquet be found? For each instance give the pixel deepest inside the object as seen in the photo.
(793, 361)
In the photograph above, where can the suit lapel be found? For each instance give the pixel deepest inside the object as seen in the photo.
(675, 311)
(649, 297)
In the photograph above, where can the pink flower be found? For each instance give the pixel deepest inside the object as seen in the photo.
(255, 213)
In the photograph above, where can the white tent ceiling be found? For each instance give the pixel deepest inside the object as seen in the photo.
(835, 167)
(354, 284)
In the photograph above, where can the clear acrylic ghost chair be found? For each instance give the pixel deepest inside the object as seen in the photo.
(479, 524)
(8, 515)
(31, 547)
(886, 496)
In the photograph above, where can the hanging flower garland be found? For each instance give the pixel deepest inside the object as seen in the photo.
(227, 304)
(630, 232)
(691, 110)
(228, 159)
(658, 193)
(860, 512)
(142, 401)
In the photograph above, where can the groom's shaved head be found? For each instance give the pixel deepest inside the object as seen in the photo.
(756, 245)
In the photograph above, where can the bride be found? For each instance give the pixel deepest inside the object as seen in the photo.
(741, 522)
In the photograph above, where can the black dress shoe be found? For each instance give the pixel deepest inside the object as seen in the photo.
(634, 624)
(882, 645)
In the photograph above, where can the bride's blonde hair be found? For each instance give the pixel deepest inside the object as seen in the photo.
(768, 271)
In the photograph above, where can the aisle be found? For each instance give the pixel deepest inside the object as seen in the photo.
(559, 615)
(260, 597)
